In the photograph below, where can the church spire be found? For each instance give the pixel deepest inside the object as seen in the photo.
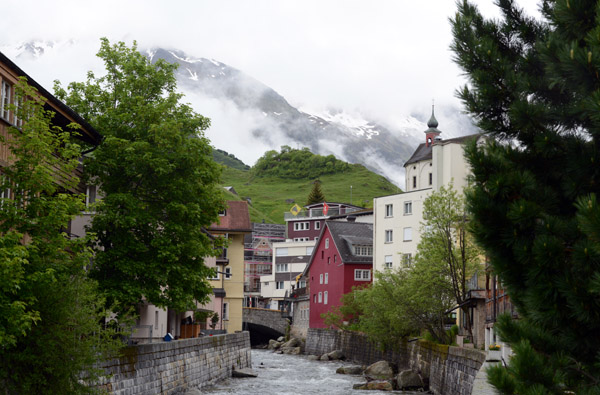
(432, 132)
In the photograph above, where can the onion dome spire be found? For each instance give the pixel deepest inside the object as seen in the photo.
(432, 133)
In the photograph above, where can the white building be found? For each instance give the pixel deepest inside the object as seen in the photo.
(289, 260)
(397, 218)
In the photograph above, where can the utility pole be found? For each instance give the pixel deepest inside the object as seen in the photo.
(350, 194)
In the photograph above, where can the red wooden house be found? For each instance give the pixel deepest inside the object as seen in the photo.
(342, 258)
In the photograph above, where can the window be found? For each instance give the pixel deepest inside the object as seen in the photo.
(327, 242)
(279, 285)
(18, 117)
(407, 234)
(226, 311)
(322, 254)
(388, 262)
(362, 275)
(325, 297)
(326, 278)
(329, 260)
(301, 226)
(281, 267)
(389, 236)
(216, 274)
(4, 100)
(321, 279)
(315, 298)
(227, 273)
(320, 297)
(430, 178)
(309, 250)
(414, 181)
(90, 195)
(317, 225)
(334, 258)
(389, 210)
(302, 284)
(301, 238)
(406, 260)
(281, 251)
(156, 319)
(407, 208)
(222, 213)
(363, 250)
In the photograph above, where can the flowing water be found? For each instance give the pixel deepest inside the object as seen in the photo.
(280, 374)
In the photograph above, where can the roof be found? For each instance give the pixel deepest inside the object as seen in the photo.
(309, 206)
(347, 234)
(423, 152)
(236, 218)
(367, 211)
(89, 134)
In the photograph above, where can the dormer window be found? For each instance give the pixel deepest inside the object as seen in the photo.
(362, 250)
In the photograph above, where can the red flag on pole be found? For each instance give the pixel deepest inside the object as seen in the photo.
(325, 208)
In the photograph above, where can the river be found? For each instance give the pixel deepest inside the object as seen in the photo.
(280, 374)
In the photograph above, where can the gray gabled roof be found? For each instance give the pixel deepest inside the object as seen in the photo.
(423, 152)
(347, 234)
(344, 235)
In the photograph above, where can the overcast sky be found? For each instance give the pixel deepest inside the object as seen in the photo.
(383, 58)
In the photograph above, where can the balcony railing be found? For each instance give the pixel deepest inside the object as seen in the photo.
(315, 213)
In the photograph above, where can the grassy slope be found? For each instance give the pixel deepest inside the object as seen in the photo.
(269, 194)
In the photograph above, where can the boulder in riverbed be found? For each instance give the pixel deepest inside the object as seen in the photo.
(336, 355)
(313, 357)
(380, 385)
(324, 357)
(354, 370)
(379, 371)
(246, 372)
(407, 379)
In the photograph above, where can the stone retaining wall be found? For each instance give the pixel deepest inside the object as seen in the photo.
(450, 370)
(176, 366)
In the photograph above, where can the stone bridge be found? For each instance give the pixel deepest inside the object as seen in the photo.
(264, 324)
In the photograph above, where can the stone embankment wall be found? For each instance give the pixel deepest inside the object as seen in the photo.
(450, 370)
(176, 366)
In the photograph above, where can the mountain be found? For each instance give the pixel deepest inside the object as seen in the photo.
(281, 179)
(276, 122)
(249, 118)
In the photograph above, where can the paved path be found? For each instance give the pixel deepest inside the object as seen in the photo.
(480, 384)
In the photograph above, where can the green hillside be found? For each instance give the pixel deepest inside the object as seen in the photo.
(281, 179)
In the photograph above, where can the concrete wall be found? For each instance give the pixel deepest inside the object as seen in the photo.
(450, 370)
(173, 367)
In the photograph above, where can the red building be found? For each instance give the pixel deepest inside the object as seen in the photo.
(342, 258)
(306, 224)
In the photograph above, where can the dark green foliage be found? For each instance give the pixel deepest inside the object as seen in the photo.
(229, 160)
(159, 181)
(536, 83)
(296, 164)
(316, 195)
(50, 311)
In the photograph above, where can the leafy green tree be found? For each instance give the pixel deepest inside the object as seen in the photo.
(316, 195)
(404, 302)
(158, 178)
(447, 244)
(533, 86)
(50, 311)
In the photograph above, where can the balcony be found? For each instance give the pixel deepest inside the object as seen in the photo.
(318, 213)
